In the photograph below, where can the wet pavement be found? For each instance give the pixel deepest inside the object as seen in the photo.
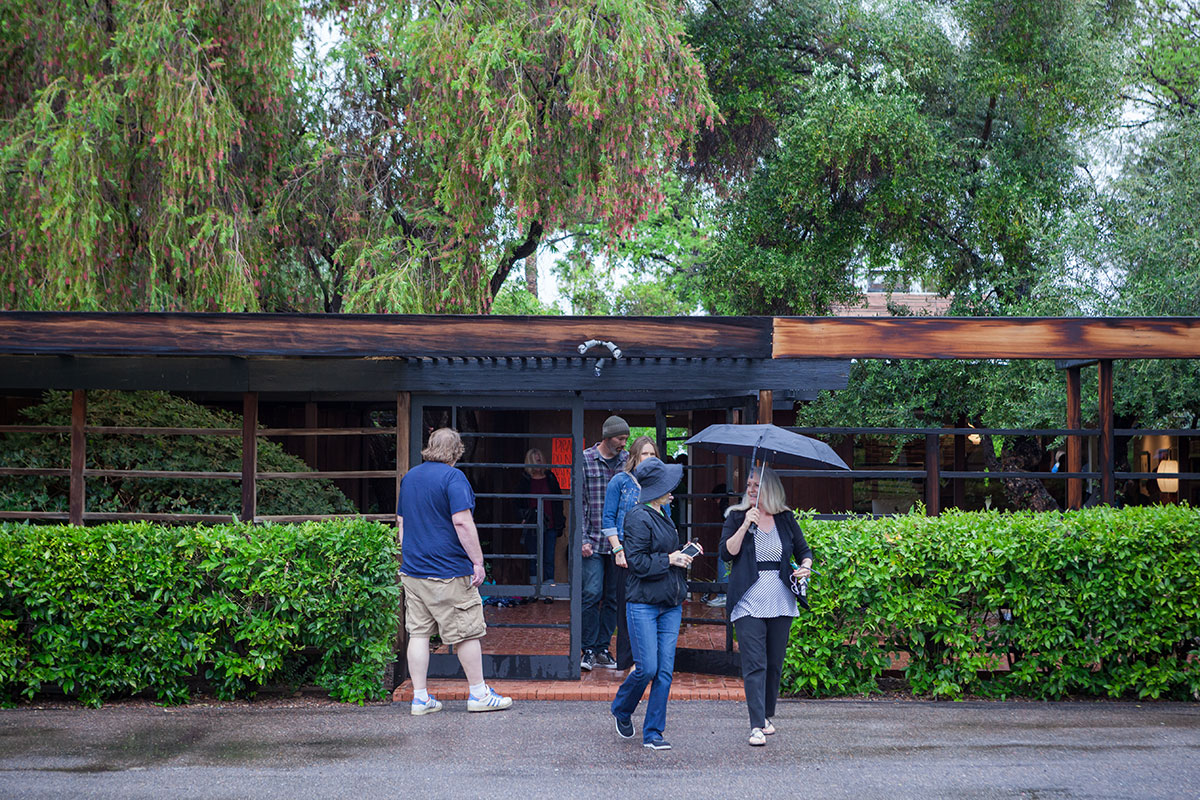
(824, 749)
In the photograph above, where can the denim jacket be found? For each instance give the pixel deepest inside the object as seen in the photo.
(621, 495)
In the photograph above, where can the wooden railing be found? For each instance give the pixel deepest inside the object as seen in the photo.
(249, 475)
(931, 473)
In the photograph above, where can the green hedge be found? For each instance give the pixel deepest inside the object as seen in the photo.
(128, 608)
(1098, 602)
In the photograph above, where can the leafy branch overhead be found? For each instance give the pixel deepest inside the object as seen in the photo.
(185, 155)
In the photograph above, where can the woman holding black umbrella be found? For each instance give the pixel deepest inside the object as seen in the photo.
(760, 539)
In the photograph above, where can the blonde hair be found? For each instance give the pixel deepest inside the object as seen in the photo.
(445, 445)
(635, 449)
(529, 460)
(771, 499)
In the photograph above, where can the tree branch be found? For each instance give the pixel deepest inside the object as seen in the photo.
(523, 250)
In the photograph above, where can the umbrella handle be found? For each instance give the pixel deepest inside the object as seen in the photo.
(753, 464)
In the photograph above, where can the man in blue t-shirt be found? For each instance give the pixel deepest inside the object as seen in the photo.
(442, 571)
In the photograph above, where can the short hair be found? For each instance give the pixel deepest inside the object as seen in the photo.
(529, 458)
(770, 494)
(445, 445)
(632, 461)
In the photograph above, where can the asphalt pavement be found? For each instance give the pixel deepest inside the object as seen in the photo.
(824, 749)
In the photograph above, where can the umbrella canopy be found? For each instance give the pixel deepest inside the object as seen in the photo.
(769, 443)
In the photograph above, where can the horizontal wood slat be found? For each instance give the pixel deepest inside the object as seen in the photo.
(987, 337)
(359, 335)
(333, 474)
(158, 473)
(41, 472)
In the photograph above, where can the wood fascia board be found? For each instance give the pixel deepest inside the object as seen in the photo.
(987, 337)
(364, 335)
(646, 377)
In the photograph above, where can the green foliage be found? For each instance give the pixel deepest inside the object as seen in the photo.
(138, 144)
(168, 453)
(1096, 602)
(648, 271)
(129, 608)
(919, 140)
(457, 135)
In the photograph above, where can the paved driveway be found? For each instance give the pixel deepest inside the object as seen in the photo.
(824, 749)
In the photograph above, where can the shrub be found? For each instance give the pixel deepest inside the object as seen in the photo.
(170, 453)
(127, 608)
(1093, 602)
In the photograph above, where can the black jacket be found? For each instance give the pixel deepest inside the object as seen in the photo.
(650, 537)
(743, 570)
(527, 506)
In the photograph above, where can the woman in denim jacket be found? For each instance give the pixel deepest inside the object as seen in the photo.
(622, 495)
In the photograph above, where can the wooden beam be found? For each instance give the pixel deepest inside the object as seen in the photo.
(77, 501)
(311, 421)
(1074, 443)
(1108, 487)
(933, 464)
(987, 337)
(249, 456)
(383, 376)
(379, 335)
(958, 490)
(766, 407)
(403, 410)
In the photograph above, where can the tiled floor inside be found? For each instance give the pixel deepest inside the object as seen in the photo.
(599, 684)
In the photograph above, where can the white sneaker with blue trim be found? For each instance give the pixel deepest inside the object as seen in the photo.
(429, 706)
(492, 701)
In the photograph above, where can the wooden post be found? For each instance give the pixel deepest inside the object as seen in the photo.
(933, 457)
(78, 456)
(249, 456)
(310, 442)
(766, 400)
(403, 410)
(1108, 484)
(959, 485)
(1074, 451)
(403, 431)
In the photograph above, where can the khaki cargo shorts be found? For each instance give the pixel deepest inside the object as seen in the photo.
(450, 607)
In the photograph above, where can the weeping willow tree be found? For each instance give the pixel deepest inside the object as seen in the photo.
(202, 155)
(456, 135)
(137, 146)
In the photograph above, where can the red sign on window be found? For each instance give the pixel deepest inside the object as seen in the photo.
(561, 454)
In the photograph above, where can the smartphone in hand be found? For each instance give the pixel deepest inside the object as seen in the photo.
(690, 549)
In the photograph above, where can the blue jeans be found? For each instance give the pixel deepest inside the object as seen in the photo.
(599, 590)
(653, 633)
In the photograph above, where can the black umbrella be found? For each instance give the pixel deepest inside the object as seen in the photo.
(769, 443)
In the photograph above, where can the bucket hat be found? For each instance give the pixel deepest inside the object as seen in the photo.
(656, 478)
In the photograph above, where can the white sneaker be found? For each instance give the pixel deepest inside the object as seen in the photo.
(492, 701)
(431, 705)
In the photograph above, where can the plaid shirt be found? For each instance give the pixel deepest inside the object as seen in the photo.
(596, 475)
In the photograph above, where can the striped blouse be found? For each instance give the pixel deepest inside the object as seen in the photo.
(767, 597)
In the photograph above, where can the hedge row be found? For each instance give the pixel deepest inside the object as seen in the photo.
(127, 608)
(1096, 602)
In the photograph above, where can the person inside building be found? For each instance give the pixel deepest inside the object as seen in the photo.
(537, 480)
(761, 539)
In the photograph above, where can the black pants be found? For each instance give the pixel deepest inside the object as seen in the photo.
(762, 643)
(624, 649)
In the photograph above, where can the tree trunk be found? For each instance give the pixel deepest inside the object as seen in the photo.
(531, 276)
